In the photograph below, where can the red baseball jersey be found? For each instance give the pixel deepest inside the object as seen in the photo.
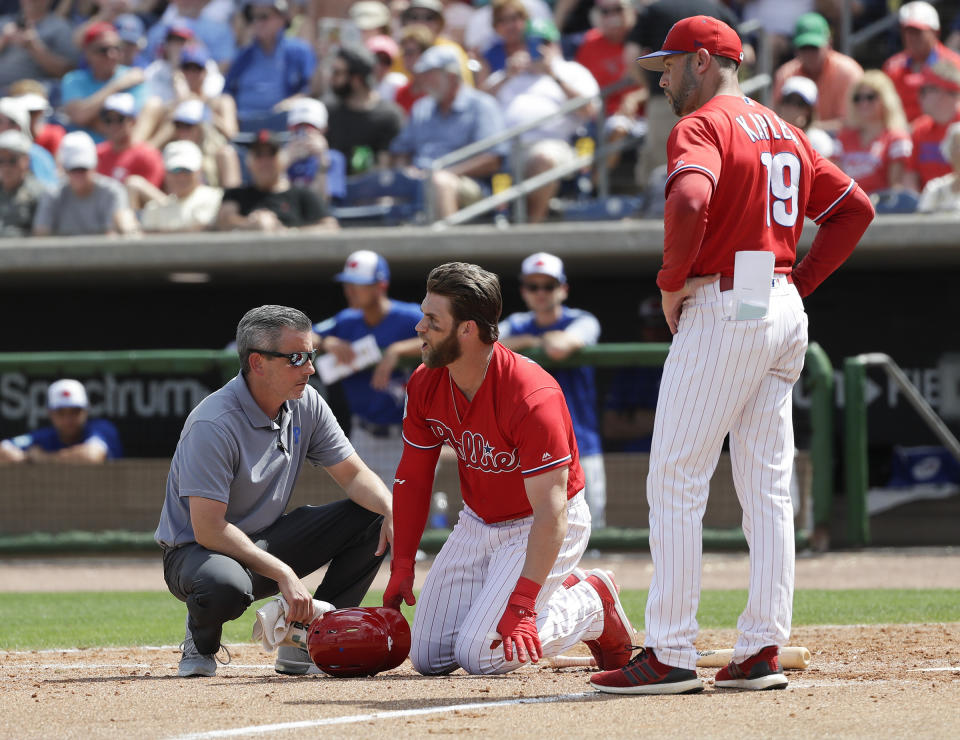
(927, 159)
(766, 177)
(868, 162)
(516, 426)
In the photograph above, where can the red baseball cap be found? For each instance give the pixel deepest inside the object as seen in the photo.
(691, 34)
(96, 30)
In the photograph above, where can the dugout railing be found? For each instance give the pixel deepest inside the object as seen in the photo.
(39, 493)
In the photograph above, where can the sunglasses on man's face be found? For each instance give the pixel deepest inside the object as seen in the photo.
(865, 97)
(9, 161)
(260, 17)
(112, 119)
(190, 67)
(419, 16)
(296, 359)
(105, 50)
(611, 10)
(540, 287)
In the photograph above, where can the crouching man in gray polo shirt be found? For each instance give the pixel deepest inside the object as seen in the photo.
(225, 537)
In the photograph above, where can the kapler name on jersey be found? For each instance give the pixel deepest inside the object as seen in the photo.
(475, 451)
(760, 127)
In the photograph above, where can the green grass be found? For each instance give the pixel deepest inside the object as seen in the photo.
(37, 621)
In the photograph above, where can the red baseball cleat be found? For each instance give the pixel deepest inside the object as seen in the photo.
(647, 675)
(758, 672)
(574, 578)
(615, 645)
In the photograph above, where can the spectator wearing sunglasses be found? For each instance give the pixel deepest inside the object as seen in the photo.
(874, 148)
(120, 156)
(375, 394)
(193, 121)
(85, 90)
(187, 204)
(242, 449)
(270, 202)
(88, 202)
(560, 331)
(20, 191)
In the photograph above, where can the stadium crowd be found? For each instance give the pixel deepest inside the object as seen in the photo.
(129, 116)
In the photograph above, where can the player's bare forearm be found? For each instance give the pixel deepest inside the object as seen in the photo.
(547, 494)
(362, 485)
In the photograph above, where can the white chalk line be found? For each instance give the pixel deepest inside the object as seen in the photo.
(375, 716)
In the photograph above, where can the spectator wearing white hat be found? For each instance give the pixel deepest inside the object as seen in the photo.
(371, 18)
(450, 116)
(14, 116)
(922, 48)
(35, 43)
(192, 121)
(797, 106)
(20, 191)
(73, 436)
(120, 156)
(362, 124)
(33, 96)
(88, 202)
(188, 204)
(430, 14)
(307, 152)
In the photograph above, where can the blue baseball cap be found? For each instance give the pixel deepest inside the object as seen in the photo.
(194, 54)
(364, 268)
(129, 28)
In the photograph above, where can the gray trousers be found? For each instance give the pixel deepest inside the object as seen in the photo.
(217, 588)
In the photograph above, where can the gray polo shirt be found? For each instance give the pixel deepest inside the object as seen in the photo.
(230, 451)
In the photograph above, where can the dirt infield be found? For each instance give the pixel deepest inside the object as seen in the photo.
(863, 681)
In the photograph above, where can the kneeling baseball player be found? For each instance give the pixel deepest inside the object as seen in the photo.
(504, 589)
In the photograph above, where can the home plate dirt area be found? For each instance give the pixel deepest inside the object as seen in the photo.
(863, 681)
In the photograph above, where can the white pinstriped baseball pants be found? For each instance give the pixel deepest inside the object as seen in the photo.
(725, 377)
(473, 575)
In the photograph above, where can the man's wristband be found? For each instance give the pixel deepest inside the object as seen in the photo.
(525, 593)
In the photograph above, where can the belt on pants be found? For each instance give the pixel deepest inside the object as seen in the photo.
(378, 430)
(726, 282)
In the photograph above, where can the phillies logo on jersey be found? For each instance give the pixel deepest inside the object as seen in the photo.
(475, 451)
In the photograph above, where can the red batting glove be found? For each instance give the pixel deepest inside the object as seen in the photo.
(518, 625)
(400, 586)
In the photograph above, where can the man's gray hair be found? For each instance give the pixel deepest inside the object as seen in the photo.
(260, 328)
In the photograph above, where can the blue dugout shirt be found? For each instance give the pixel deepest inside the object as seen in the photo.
(46, 438)
(577, 383)
(376, 407)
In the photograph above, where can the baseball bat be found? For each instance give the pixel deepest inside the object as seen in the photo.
(790, 657)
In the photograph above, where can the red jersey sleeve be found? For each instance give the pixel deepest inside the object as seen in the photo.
(540, 434)
(415, 429)
(694, 146)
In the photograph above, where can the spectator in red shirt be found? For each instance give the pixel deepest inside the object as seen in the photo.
(874, 147)
(414, 40)
(118, 156)
(919, 29)
(940, 100)
(602, 49)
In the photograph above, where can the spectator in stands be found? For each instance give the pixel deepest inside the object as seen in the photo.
(73, 436)
(120, 156)
(510, 18)
(480, 33)
(88, 202)
(34, 44)
(188, 204)
(874, 147)
(270, 203)
(385, 52)
(20, 191)
(192, 121)
(84, 90)
(602, 51)
(376, 393)
(307, 153)
(560, 331)
(451, 116)
(271, 70)
(165, 76)
(133, 40)
(14, 116)
(430, 14)
(213, 32)
(33, 96)
(942, 194)
(371, 18)
(919, 30)
(834, 73)
(940, 100)
(414, 40)
(653, 23)
(631, 398)
(797, 106)
(532, 86)
(362, 124)
(456, 16)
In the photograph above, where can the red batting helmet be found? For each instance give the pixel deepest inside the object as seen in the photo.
(359, 641)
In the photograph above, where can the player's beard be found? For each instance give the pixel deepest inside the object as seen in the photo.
(444, 353)
(688, 88)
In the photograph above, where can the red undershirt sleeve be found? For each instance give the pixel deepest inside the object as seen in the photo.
(412, 487)
(684, 223)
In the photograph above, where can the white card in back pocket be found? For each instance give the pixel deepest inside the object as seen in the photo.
(752, 280)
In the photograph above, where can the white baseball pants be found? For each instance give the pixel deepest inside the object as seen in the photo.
(725, 377)
(473, 575)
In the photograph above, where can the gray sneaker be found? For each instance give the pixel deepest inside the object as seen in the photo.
(193, 662)
(294, 661)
